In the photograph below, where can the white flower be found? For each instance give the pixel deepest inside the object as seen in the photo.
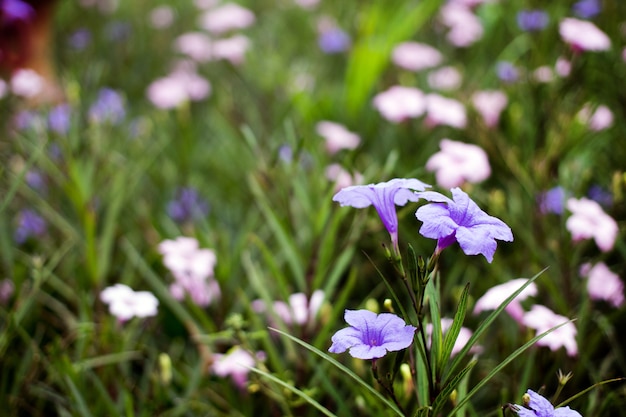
(124, 303)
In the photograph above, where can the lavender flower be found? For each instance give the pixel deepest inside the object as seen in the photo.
(587, 9)
(507, 72)
(30, 224)
(59, 119)
(333, 41)
(108, 107)
(372, 335)
(532, 20)
(461, 221)
(538, 406)
(384, 197)
(80, 39)
(187, 206)
(13, 10)
(552, 201)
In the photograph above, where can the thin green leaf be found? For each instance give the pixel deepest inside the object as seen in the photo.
(444, 395)
(453, 332)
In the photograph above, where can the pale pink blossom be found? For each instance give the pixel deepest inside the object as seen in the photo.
(337, 137)
(490, 104)
(6, 290)
(464, 336)
(400, 103)
(457, 163)
(341, 177)
(298, 310)
(236, 363)
(445, 78)
(307, 4)
(465, 27)
(603, 284)
(588, 220)
(415, 56)
(583, 35)
(563, 67)
(232, 49)
(192, 269)
(196, 45)
(599, 119)
(495, 296)
(125, 303)
(471, 3)
(205, 4)
(444, 111)
(177, 88)
(27, 83)
(161, 17)
(226, 17)
(542, 319)
(543, 74)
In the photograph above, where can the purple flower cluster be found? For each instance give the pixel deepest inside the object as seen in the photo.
(187, 206)
(532, 20)
(30, 224)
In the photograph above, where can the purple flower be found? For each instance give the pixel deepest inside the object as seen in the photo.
(384, 197)
(587, 8)
(552, 201)
(80, 39)
(461, 221)
(30, 224)
(538, 406)
(36, 180)
(108, 107)
(532, 20)
(507, 72)
(12, 10)
(188, 205)
(600, 195)
(59, 119)
(333, 41)
(372, 335)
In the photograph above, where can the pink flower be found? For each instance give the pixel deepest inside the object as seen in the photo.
(563, 67)
(341, 177)
(444, 111)
(600, 119)
(465, 27)
(232, 49)
(461, 340)
(307, 4)
(196, 45)
(162, 17)
(124, 303)
(299, 310)
(337, 136)
(543, 74)
(27, 83)
(496, 295)
(490, 104)
(445, 78)
(588, 220)
(543, 319)
(226, 17)
(458, 162)
(6, 290)
(415, 56)
(236, 363)
(179, 87)
(400, 103)
(192, 268)
(603, 284)
(583, 35)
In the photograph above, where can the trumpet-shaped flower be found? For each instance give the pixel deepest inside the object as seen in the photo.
(384, 197)
(372, 335)
(236, 363)
(583, 35)
(490, 105)
(588, 220)
(298, 309)
(399, 103)
(337, 137)
(458, 162)
(442, 110)
(538, 406)
(542, 319)
(415, 56)
(461, 220)
(603, 284)
(226, 17)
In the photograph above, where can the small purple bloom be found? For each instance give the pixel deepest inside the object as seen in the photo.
(285, 154)
(461, 220)
(532, 20)
(59, 119)
(188, 205)
(552, 201)
(80, 39)
(118, 31)
(108, 107)
(507, 72)
(372, 335)
(334, 41)
(587, 9)
(30, 224)
(12, 10)
(600, 195)
(36, 180)
(541, 407)
(384, 197)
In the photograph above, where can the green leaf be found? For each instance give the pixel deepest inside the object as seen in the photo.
(449, 387)
(453, 331)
